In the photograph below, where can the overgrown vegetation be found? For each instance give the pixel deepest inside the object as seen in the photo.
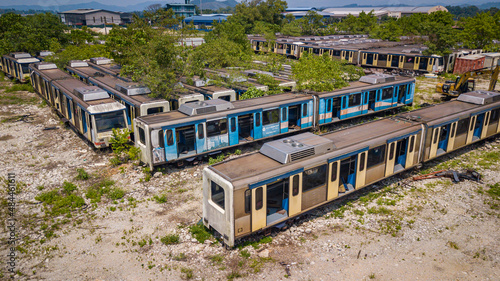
(200, 232)
(123, 149)
(62, 201)
(105, 187)
(170, 239)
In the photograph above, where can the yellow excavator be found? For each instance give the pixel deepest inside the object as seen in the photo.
(466, 82)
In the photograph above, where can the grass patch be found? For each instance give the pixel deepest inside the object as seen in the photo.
(19, 87)
(61, 202)
(452, 245)
(489, 159)
(218, 159)
(257, 264)
(233, 275)
(217, 259)
(200, 232)
(170, 239)
(245, 253)
(386, 201)
(104, 187)
(380, 210)
(82, 174)
(256, 244)
(8, 98)
(188, 272)
(160, 199)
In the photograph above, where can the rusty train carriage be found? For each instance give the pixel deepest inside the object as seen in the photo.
(88, 109)
(294, 175)
(107, 66)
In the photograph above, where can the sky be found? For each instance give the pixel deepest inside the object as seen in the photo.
(291, 3)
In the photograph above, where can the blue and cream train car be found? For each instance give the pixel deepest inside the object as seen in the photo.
(16, 65)
(200, 128)
(107, 66)
(259, 118)
(88, 109)
(297, 174)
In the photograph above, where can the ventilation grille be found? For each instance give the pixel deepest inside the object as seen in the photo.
(100, 60)
(45, 66)
(20, 55)
(302, 154)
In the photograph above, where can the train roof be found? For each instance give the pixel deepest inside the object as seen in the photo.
(455, 109)
(83, 69)
(212, 89)
(176, 117)
(21, 57)
(49, 71)
(117, 85)
(256, 167)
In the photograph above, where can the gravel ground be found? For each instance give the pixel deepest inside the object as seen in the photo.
(395, 229)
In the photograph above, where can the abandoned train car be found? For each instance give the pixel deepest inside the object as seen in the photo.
(204, 127)
(16, 65)
(294, 175)
(88, 109)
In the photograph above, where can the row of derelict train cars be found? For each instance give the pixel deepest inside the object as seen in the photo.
(289, 176)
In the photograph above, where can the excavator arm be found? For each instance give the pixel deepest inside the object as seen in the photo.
(494, 78)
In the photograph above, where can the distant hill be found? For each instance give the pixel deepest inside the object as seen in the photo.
(488, 5)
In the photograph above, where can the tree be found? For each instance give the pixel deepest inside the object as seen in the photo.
(389, 30)
(249, 12)
(321, 73)
(76, 52)
(441, 35)
(311, 23)
(479, 31)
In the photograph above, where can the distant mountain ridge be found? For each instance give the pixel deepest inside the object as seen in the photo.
(214, 5)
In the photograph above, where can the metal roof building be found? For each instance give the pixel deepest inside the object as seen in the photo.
(396, 12)
(91, 17)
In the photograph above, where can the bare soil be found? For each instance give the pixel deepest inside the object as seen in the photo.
(398, 229)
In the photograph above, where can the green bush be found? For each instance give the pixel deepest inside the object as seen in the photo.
(82, 174)
(68, 187)
(160, 199)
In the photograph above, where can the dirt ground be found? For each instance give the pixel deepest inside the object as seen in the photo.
(140, 228)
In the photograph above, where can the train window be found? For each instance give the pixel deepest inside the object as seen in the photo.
(161, 140)
(452, 131)
(382, 57)
(233, 124)
(295, 185)
(170, 138)
(200, 131)
(142, 136)
(387, 93)
(494, 115)
(257, 119)
(462, 126)
(441, 61)
(304, 110)
(270, 116)
(354, 100)
(362, 161)
(329, 105)
(376, 156)
(412, 143)
(391, 151)
(216, 127)
(154, 110)
(366, 98)
(336, 53)
(313, 178)
(284, 114)
(248, 201)
(107, 121)
(218, 195)
(435, 138)
(344, 98)
(259, 198)
(333, 176)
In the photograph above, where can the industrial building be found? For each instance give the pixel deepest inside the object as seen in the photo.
(93, 17)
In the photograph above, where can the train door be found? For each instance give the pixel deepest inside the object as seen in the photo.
(171, 144)
(430, 64)
(424, 61)
(200, 138)
(257, 130)
(395, 95)
(389, 168)
(277, 201)
(401, 147)
(402, 93)
(77, 116)
(375, 59)
(478, 127)
(259, 195)
(401, 62)
(451, 138)
(347, 174)
(363, 58)
(372, 97)
(294, 117)
(306, 120)
(351, 55)
(284, 119)
(295, 192)
(361, 173)
(185, 137)
(389, 61)
(343, 107)
(333, 181)
(485, 124)
(416, 63)
(233, 131)
(245, 127)
(410, 159)
(342, 55)
(443, 139)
